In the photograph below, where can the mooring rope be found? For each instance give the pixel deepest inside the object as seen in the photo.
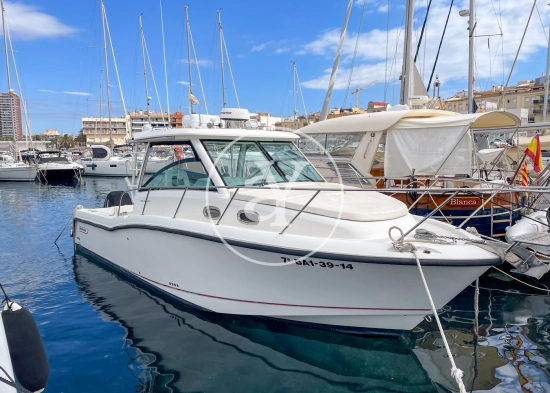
(523, 282)
(456, 373)
(399, 245)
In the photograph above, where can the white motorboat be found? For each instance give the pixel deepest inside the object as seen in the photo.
(246, 225)
(103, 163)
(53, 167)
(532, 231)
(15, 171)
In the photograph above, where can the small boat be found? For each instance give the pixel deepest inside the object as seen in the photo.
(532, 231)
(103, 163)
(52, 166)
(246, 225)
(15, 171)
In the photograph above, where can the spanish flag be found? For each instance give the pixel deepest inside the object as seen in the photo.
(534, 153)
(524, 175)
(193, 100)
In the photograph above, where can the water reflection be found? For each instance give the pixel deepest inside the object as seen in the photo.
(172, 348)
(511, 353)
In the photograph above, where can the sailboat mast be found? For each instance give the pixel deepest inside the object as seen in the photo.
(221, 58)
(111, 142)
(546, 82)
(101, 106)
(471, 43)
(189, 59)
(326, 104)
(8, 71)
(144, 69)
(406, 70)
(294, 90)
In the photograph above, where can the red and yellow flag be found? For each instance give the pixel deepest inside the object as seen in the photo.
(193, 99)
(524, 175)
(534, 153)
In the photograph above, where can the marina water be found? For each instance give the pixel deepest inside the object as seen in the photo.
(103, 332)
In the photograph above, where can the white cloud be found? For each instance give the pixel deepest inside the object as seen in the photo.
(26, 22)
(282, 50)
(77, 93)
(73, 93)
(452, 65)
(183, 83)
(203, 63)
(258, 48)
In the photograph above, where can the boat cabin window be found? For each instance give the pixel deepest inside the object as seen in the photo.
(174, 165)
(248, 163)
(337, 145)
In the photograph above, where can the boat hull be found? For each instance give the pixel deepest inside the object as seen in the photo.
(111, 168)
(17, 173)
(202, 272)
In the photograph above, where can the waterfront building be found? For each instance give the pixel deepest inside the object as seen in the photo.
(10, 116)
(50, 133)
(265, 120)
(96, 130)
(176, 120)
(138, 119)
(525, 100)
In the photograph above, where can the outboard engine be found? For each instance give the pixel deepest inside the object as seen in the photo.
(28, 357)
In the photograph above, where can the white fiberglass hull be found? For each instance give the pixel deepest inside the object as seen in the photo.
(17, 172)
(531, 224)
(357, 291)
(109, 168)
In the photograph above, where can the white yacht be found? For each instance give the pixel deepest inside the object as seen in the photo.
(15, 171)
(53, 167)
(246, 225)
(103, 163)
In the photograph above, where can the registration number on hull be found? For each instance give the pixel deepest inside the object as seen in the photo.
(306, 262)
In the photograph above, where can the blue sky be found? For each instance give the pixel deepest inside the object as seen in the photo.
(57, 46)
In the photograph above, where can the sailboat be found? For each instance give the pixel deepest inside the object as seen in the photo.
(102, 161)
(13, 170)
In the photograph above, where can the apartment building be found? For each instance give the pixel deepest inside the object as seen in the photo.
(525, 100)
(10, 116)
(96, 130)
(138, 119)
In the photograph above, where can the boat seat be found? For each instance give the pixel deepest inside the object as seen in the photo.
(116, 198)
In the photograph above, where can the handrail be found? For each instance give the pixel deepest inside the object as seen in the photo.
(478, 209)
(179, 204)
(431, 214)
(501, 188)
(455, 191)
(227, 207)
(120, 201)
(145, 204)
(300, 212)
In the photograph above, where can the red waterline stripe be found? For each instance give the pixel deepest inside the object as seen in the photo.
(281, 304)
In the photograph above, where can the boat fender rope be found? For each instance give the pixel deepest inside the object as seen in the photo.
(456, 373)
(10, 382)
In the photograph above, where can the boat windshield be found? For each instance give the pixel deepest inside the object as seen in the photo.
(248, 163)
(179, 168)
